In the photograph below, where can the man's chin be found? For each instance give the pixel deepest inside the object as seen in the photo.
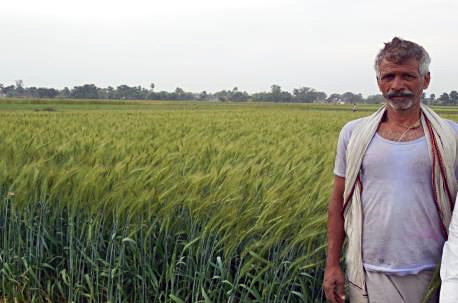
(400, 105)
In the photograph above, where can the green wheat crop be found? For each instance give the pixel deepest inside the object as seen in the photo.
(166, 203)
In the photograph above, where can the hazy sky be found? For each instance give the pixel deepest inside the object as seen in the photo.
(211, 45)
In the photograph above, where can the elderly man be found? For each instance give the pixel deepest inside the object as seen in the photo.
(394, 188)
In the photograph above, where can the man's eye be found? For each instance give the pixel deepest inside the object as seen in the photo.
(388, 77)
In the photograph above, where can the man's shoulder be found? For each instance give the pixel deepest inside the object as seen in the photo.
(453, 125)
(348, 128)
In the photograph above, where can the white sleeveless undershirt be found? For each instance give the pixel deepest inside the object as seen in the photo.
(401, 226)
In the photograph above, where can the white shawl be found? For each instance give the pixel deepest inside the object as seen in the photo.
(442, 146)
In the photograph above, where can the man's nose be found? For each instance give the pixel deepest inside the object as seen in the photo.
(397, 84)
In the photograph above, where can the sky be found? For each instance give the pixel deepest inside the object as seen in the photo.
(329, 45)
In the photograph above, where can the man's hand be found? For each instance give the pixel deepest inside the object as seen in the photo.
(333, 284)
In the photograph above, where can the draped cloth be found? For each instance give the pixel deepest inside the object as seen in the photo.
(442, 146)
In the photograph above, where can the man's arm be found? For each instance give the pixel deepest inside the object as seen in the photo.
(334, 278)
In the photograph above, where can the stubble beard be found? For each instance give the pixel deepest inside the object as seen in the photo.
(400, 106)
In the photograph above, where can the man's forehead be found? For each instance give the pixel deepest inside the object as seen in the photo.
(410, 63)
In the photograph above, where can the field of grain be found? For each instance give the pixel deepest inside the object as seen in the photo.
(165, 202)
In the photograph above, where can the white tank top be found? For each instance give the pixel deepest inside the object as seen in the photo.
(401, 226)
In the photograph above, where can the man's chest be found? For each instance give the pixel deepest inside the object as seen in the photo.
(402, 135)
(397, 161)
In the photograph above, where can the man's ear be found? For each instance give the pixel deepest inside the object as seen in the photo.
(426, 79)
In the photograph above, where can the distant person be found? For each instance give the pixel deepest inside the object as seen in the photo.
(355, 109)
(394, 188)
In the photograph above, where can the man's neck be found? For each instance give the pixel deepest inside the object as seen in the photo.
(402, 117)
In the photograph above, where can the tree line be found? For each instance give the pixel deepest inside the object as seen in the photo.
(276, 94)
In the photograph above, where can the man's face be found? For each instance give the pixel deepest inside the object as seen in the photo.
(402, 84)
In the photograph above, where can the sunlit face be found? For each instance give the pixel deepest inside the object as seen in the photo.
(402, 84)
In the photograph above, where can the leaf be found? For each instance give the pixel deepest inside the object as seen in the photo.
(176, 299)
(207, 299)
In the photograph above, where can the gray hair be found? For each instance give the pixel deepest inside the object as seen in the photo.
(400, 50)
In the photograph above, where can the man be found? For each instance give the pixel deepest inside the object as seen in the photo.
(394, 188)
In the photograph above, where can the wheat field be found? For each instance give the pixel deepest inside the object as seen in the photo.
(165, 202)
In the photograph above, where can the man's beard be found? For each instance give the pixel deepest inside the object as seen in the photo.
(400, 105)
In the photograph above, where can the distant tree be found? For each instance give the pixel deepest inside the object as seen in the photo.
(453, 97)
(123, 91)
(9, 91)
(238, 96)
(334, 98)
(180, 94)
(275, 91)
(152, 86)
(432, 99)
(19, 90)
(19, 84)
(65, 92)
(46, 92)
(350, 97)
(177, 94)
(277, 95)
(32, 92)
(162, 95)
(261, 97)
(444, 99)
(130, 92)
(375, 99)
(87, 91)
(423, 98)
(110, 92)
(222, 95)
(233, 95)
(308, 95)
(203, 95)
